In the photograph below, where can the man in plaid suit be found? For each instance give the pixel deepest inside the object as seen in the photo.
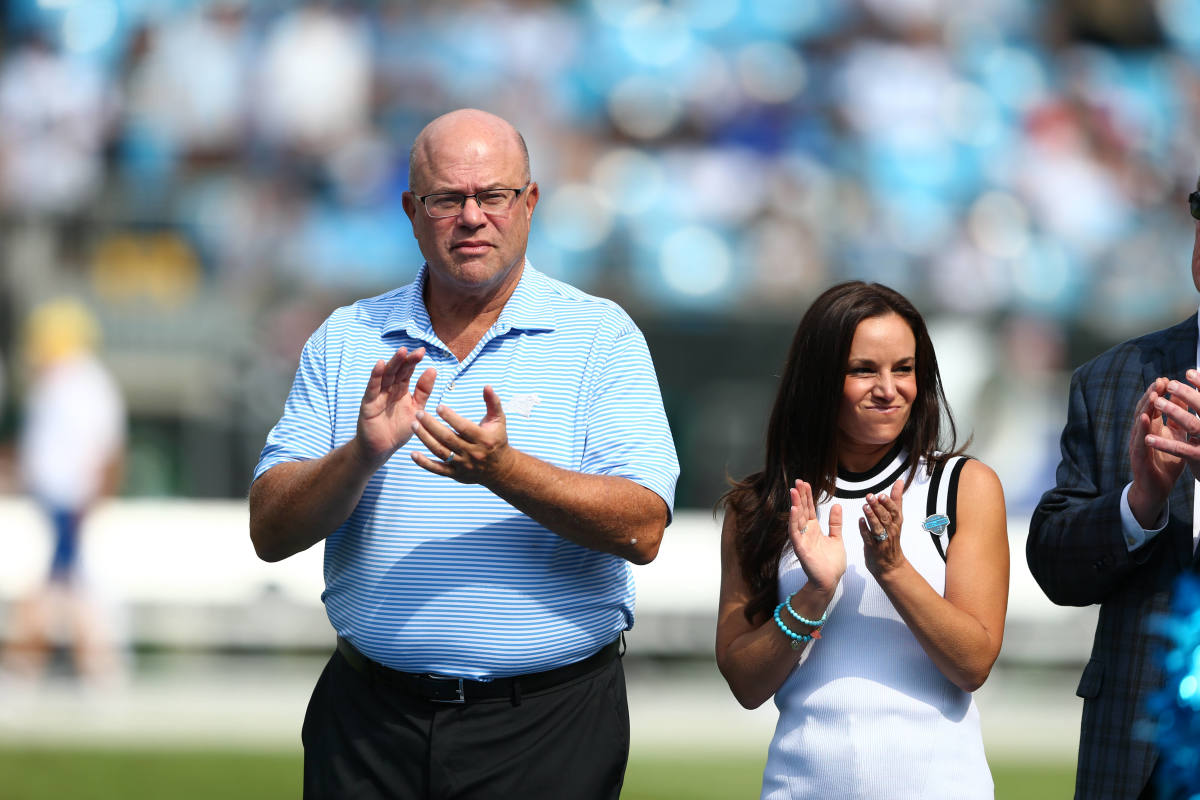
(1118, 529)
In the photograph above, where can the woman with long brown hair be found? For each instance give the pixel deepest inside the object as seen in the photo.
(870, 647)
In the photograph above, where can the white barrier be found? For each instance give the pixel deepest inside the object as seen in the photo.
(186, 576)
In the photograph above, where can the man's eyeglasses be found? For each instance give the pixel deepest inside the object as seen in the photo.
(497, 202)
(1194, 202)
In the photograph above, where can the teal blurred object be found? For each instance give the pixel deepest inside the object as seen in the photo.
(1177, 707)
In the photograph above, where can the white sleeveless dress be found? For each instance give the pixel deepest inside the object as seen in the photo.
(866, 714)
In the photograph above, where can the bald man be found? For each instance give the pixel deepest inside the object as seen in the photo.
(483, 452)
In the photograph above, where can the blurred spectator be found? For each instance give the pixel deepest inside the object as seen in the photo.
(71, 454)
(1019, 410)
(188, 87)
(315, 79)
(1058, 161)
(54, 113)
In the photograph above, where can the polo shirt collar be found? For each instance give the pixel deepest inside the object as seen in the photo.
(529, 307)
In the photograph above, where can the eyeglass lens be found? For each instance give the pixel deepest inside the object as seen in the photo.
(449, 205)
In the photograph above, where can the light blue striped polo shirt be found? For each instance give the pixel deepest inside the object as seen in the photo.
(430, 575)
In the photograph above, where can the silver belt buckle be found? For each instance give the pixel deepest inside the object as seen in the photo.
(446, 689)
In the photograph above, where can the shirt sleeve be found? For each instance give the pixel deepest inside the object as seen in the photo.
(305, 431)
(1135, 535)
(627, 431)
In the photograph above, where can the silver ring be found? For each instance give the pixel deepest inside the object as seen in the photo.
(880, 537)
(448, 458)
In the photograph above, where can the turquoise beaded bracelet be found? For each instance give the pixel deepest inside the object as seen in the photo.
(815, 623)
(797, 638)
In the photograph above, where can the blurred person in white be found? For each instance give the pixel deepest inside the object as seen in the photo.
(190, 88)
(1059, 158)
(314, 82)
(54, 117)
(1018, 408)
(1118, 529)
(477, 573)
(871, 645)
(71, 454)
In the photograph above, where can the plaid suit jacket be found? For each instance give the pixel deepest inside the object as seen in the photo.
(1077, 553)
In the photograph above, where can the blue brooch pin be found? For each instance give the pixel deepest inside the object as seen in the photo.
(936, 524)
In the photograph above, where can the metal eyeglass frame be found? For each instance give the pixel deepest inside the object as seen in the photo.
(462, 202)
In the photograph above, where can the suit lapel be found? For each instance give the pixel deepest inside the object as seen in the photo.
(1175, 355)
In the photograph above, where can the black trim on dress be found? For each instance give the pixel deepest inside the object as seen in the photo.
(881, 476)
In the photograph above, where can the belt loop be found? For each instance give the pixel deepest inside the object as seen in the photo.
(516, 692)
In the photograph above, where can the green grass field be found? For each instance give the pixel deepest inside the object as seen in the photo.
(98, 774)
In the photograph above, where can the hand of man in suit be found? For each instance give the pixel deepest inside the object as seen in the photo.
(1154, 454)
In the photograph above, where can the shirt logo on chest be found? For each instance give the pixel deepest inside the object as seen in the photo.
(522, 404)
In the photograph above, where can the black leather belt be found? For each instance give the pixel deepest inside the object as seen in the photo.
(444, 689)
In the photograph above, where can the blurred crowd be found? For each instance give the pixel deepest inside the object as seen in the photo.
(212, 177)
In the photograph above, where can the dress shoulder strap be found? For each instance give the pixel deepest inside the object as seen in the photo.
(941, 502)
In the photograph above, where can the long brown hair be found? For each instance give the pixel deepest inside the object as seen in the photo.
(802, 431)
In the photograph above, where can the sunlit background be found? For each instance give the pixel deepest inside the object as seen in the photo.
(212, 178)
